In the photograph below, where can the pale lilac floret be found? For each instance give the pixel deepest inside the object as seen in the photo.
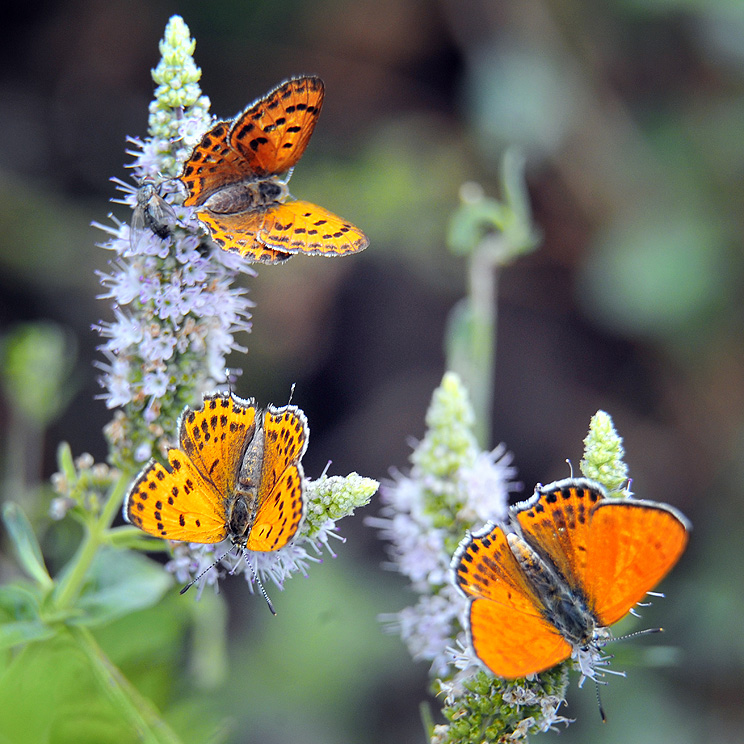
(486, 484)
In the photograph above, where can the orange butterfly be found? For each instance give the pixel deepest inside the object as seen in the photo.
(237, 178)
(236, 474)
(570, 563)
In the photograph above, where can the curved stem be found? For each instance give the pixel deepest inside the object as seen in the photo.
(71, 583)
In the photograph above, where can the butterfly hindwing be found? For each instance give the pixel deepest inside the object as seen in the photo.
(238, 233)
(281, 501)
(513, 644)
(507, 630)
(302, 227)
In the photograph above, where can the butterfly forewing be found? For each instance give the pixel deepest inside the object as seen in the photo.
(272, 133)
(215, 438)
(633, 544)
(175, 503)
(507, 629)
(555, 522)
(212, 165)
(485, 567)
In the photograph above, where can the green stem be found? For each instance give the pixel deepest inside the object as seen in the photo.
(471, 337)
(136, 710)
(483, 278)
(71, 584)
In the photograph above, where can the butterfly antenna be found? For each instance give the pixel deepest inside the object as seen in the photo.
(645, 631)
(291, 393)
(599, 703)
(208, 568)
(258, 583)
(570, 468)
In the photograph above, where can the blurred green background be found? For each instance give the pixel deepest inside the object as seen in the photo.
(631, 116)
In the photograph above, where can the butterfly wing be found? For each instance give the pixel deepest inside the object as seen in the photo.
(513, 644)
(632, 545)
(272, 133)
(505, 624)
(238, 233)
(555, 522)
(281, 502)
(212, 165)
(302, 227)
(176, 503)
(215, 438)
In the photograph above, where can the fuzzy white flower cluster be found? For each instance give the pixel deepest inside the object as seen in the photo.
(451, 487)
(328, 499)
(176, 309)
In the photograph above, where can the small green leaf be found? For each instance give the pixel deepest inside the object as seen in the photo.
(20, 601)
(66, 463)
(26, 545)
(121, 582)
(23, 631)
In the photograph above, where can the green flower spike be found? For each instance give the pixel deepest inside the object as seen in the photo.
(603, 455)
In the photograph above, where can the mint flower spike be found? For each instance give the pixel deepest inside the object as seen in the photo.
(328, 500)
(449, 442)
(452, 486)
(176, 309)
(603, 455)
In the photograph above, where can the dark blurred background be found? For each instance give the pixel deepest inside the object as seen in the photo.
(631, 116)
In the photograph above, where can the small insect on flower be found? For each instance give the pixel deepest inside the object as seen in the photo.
(152, 212)
(236, 474)
(570, 563)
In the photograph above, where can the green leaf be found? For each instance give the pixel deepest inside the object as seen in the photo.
(23, 631)
(20, 601)
(121, 582)
(26, 545)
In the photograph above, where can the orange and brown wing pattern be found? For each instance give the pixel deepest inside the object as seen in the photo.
(212, 165)
(556, 523)
(238, 233)
(506, 627)
(216, 436)
(633, 544)
(281, 500)
(175, 503)
(485, 567)
(272, 133)
(302, 227)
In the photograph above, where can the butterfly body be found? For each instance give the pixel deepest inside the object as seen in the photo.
(569, 563)
(236, 178)
(563, 608)
(236, 474)
(248, 195)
